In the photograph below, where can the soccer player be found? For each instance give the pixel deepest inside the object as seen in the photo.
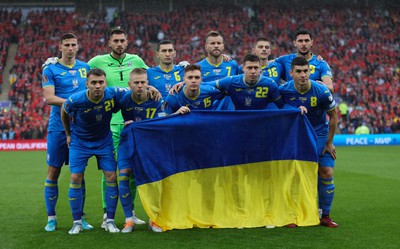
(319, 102)
(194, 95)
(135, 106)
(59, 81)
(319, 69)
(90, 135)
(273, 70)
(117, 65)
(250, 91)
(165, 75)
(213, 67)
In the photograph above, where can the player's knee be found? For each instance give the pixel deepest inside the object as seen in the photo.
(53, 173)
(325, 172)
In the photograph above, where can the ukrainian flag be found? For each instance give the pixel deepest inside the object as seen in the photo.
(227, 169)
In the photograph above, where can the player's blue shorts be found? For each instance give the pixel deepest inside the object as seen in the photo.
(125, 150)
(81, 150)
(57, 149)
(326, 159)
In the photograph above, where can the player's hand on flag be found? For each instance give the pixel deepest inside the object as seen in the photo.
(182, 110)
(128, 122)
(303, 109)
(51, 60)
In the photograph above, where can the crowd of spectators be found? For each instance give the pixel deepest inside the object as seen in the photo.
(360, 44)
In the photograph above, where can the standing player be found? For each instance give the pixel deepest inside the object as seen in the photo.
(213, 67)
(319, 102)
(273, 70)
(250, 91)
(165, 75)
(194, 94)
(61, 79)
(117, 65)
(90, 136)
(319, 69)
(135, 106)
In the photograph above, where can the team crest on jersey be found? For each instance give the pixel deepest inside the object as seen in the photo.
(99, 117)
(138, 109)
(138, 119)
(98, 107)
(167, 87)
(45, 79)
(129, 64)
(250, 90)
(303, 99)
(247, 101)
(217, 71)
(75, 83)
(196, 104)
(73, 72)
(167, 76)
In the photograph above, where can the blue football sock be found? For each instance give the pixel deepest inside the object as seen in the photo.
(83, 187)
(125, 194)
(51, 196)
(75, 200)
(132, 186)
(111, 198)
(319, 192)
(327, 191)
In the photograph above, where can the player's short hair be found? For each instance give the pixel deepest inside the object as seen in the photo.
(117, 31)
(96, 72)
(67, 36)
(298, 61)
(213, 33)
(163, 42)
(192, 67)
(138, 70)
(302, 32)
(259, 40)
(250, 57)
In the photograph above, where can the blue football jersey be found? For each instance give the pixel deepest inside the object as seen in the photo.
(318, 100)
(272, 70)
(210, 72)
(91, 120)
(66, 81)
(318, 68)
(249, 97)
(204, 100)
(163, 80)
(137, 111)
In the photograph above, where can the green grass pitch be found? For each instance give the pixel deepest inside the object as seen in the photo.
(366, 206)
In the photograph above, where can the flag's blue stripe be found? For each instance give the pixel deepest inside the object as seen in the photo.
(206, 139)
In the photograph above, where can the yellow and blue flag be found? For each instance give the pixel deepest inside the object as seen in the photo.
(227, 169)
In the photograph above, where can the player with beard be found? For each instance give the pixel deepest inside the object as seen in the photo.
(319, 69)
(213, 67)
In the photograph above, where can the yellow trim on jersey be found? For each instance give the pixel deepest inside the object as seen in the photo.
(190, 97)
(252, 85)
(215, 65)
(91, 100)
(65, 65)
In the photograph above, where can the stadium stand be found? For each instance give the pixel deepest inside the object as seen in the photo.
(360, 44)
